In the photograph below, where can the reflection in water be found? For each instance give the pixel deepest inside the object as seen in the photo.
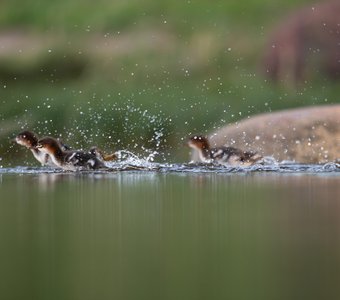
(140, 235)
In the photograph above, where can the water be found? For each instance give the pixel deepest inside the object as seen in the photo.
(140, 165)
(176, 232)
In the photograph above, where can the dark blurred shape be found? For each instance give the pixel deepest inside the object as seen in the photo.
(307, 41)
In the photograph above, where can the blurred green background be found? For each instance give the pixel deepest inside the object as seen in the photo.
(139, 75)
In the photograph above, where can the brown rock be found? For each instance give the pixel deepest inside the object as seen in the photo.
(305, 135)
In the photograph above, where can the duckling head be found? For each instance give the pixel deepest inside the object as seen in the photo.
(48, 145)
(27, 139)
(198, 142)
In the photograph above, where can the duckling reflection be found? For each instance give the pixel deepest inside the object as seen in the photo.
(47, 181)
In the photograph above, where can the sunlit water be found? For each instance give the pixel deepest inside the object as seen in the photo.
(171, 231)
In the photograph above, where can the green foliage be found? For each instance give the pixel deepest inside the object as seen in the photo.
(118, 14)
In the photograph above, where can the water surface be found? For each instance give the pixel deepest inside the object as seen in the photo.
(170, 234)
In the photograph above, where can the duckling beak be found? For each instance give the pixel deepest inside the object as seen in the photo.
(14, 140)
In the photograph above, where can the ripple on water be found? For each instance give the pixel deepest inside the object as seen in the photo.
(141, 165)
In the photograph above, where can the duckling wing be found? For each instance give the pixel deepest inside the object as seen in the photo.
(224, 154)
(84, 160)
(217, 154)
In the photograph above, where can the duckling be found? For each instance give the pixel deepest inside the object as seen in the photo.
(222, 155)
(29, 140)
(68, 159)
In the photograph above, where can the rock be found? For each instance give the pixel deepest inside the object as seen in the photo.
(305, 135)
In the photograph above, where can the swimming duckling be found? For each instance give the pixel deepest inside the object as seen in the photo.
(29, 140)
(69, 160)
(221, 155)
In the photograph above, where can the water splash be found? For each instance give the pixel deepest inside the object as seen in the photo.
(127, 160)
(116, 125)
(135, 164)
